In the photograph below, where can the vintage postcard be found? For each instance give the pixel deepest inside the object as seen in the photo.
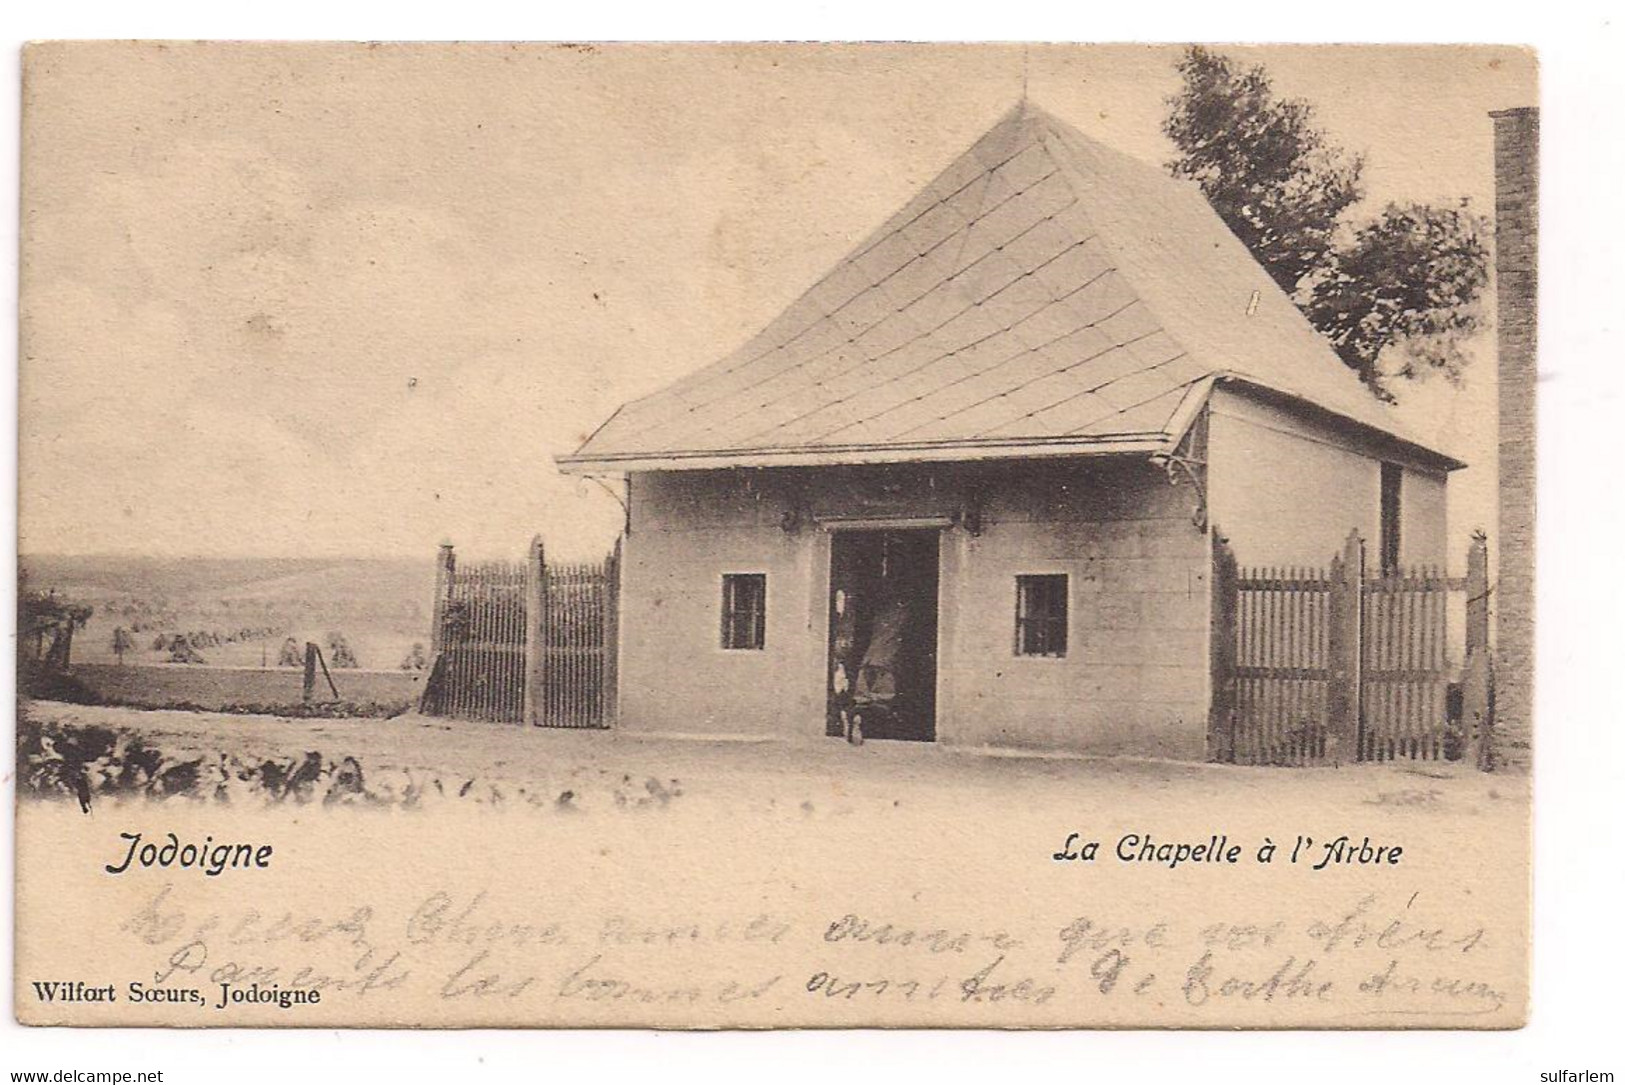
(762, 536)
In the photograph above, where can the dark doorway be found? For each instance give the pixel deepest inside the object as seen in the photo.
(883, 634)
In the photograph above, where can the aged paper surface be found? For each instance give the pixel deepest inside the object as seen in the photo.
(1031, 621)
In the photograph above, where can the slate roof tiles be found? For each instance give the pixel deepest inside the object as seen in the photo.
(1044, 290)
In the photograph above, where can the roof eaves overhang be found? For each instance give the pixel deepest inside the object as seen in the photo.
(943, 452)
(1185, 415)
(1376, 434)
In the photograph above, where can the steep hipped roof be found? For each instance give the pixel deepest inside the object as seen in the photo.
(1045, 295)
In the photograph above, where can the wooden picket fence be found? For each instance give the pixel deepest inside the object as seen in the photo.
(574, 666)
(1281, 679)
(478, 638)
(525, 642)
(1322, 666)
(1405, 669)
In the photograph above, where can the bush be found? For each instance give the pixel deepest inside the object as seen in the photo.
(181, 650)
(87, 764)
(339, 653)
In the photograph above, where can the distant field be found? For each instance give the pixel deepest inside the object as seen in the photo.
(375, 648)
(236, 612)
(217, 689)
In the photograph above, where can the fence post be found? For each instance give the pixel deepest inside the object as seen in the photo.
(535, 638)
(445, 572)
(1478, 676)
(310, 672)
(1221, 719)
(1343, 644)
(612, 639)
(1478, 594)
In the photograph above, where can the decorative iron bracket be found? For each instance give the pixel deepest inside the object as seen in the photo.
(624, 502)
(1194, 471)
(1189, 460)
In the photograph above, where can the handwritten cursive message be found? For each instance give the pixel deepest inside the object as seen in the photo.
(1374, 953)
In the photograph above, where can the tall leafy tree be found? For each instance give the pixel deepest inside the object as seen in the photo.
(1396, 294)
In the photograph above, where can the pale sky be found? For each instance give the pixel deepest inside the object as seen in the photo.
(297, 300)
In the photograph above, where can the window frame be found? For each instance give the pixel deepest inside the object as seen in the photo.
(1390, 515)
(1052, 623)
(730, 614)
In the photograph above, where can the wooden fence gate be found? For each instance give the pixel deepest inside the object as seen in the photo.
(524, 642)
(477, 671)
(1322, 666)
(572, 678)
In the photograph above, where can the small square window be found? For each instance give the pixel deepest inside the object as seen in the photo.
(1041, 615)
(744, 610)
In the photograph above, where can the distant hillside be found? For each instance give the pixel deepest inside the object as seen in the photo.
(381, 606)
(373, 586)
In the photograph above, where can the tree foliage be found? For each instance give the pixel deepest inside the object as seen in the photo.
(1396, 294)
(1409, 277)
(45, 627)
(1269, 172)
(45, 612)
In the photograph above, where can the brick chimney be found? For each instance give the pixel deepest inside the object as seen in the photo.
(1517, 141)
